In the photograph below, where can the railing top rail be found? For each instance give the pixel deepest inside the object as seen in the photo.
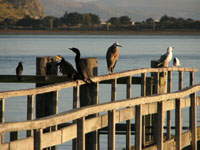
(59, 86)
(88, 110)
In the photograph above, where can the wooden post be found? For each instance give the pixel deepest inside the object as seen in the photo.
(2, 119)
(96, 134)
(169, 90)
(160, 126)
(75, 105)
(138, 128)
(180, 84)
(88, 97)
(194, 121)
(46, 104)
(38, 139)
(178, 124)
(128, 122)
(190, 111)
(81, 133)
(143, 93)
(111, 118)
(30, 108)
(160, 87)
(45, 66)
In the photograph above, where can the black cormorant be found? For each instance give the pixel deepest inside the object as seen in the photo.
(79, 66)
(19, 70)
(112, 56)
(67, 69)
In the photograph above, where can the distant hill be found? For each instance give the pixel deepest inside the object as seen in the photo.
(136, 9)
(20, 8)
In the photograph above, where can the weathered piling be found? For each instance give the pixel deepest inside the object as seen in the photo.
(46, 104)
(89, 96)
(159, 87)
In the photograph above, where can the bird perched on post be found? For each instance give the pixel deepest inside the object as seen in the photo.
(19, 70)
(66, 68)
(166, 58)
(176, 62)
(80, 67)
(112, 56)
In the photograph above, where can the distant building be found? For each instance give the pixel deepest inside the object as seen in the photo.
(133, 23)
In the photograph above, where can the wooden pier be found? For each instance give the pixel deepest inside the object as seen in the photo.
(74, 124)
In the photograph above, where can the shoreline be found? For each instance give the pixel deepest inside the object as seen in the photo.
(106, 32)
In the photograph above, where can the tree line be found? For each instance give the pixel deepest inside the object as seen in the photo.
(75, 20)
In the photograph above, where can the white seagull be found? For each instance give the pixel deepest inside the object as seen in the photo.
(166, 58)
(176, 62)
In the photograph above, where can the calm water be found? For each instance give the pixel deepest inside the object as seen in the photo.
(137, 52)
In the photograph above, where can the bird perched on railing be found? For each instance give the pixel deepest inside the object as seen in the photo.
(19, 70)
(80, 67)
(66, 68)
(166, 58)
(112, 56)
(176, 62)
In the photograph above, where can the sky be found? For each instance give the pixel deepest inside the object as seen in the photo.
(138, 10)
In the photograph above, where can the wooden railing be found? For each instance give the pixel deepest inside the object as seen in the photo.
(118, 111)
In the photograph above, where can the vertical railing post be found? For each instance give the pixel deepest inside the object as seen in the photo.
(75, 105)
(30, 108)
(191, 78)
(180, 85)
(190, 111)
(169, 90)
(193, 121)
(96, 134)
(55, 111)
(38, 139)
(160, 126)
(128, 122)
(81, 133)
(157, 82)
(178, 124)
(2, 119)
(143, 93)
(138, 128)
(111, 119)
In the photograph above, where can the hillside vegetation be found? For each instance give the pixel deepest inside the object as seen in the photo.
(18, 9)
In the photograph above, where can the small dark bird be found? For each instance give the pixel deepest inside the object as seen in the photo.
(176, 62)
(112, 56)
(80, 66)
(19, 70)
(67, 69)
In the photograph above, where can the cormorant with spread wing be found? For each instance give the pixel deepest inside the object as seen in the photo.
(67, 69)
